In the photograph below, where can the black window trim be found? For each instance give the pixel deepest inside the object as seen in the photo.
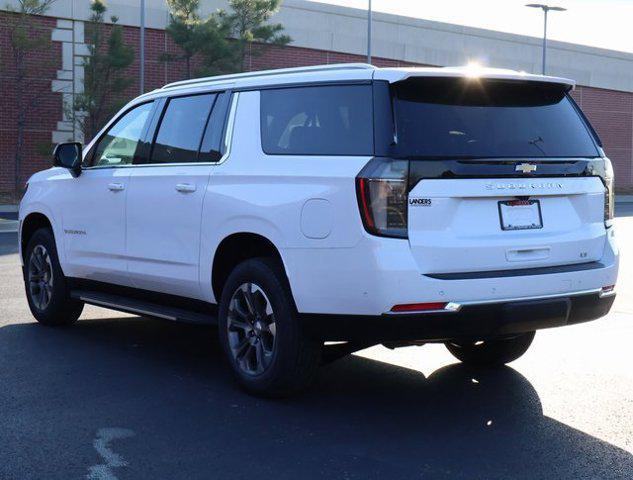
(166, 101)
(162, 107)
(151, 129)
(225, 125)
(324, 83)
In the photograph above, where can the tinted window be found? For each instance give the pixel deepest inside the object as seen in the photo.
(328, 120)
(180, 130)
(120, 143)
(212, 147)
(479, 118)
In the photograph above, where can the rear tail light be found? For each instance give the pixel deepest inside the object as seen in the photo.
(609, 196)
(382, 189)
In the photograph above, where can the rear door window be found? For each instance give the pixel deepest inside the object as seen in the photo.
(472, 118)
(180, 130)
(319, 120)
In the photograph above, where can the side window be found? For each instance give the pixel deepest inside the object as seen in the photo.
(325, 120)
(212, 147)
(180, 131)
(120, 143)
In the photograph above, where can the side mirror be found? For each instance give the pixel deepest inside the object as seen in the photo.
(68, 155)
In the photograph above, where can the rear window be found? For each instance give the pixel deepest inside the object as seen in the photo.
(321, 120)
(469, 118)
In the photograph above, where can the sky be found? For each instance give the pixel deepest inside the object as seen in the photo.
(597, 23)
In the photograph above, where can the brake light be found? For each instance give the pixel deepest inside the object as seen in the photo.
(609, 194)
(382, 191)
(419, 307)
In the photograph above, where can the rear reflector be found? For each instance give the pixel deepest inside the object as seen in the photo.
(419, 307)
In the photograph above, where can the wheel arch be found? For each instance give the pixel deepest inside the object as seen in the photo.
(31, 223)
(234, 249)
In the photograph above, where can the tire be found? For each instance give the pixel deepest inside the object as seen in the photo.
(493, 352)
(46, 288)
(268, 351)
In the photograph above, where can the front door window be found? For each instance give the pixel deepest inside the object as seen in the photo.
(120, 143)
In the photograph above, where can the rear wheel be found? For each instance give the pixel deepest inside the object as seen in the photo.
(491, 352)
(46, 290)
(268, 350)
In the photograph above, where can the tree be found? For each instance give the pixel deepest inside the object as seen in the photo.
(104, 78)
(25, 38)
(206, 38)
(248, 23)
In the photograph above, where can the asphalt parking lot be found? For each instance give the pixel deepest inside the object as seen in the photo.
(118, 396)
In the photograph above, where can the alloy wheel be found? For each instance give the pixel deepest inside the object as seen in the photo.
(251, 329)
(40, 277)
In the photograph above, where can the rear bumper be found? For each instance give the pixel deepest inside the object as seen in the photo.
(378, 273)
(470, 321)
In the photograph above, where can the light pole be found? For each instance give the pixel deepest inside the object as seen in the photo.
(546, 9)
(369, 33)
(142, 49)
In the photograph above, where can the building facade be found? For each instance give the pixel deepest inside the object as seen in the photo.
(321, 34)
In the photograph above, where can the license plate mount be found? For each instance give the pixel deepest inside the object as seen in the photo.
(520, 215)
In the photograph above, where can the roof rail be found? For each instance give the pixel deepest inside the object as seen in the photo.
(279, 71)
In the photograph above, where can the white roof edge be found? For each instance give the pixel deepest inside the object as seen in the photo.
(352, 71)
(393, 75)
(279, 71)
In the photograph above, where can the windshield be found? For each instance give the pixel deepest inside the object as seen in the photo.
(471, 118)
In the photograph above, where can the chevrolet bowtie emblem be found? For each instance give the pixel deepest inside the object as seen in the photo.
(525, 168)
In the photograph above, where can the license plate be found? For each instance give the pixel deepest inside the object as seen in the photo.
(520, 215)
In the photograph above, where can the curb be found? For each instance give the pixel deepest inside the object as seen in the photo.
(8, 226)
(8, 208)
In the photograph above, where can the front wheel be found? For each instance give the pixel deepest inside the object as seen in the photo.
(268, 350)
(491, 352)
(46, 289)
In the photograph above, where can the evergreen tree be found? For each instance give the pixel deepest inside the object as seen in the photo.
(222, 41)
(105, 80)
(248, 23)
(205, 38)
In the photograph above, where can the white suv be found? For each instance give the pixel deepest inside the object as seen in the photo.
(313, 212)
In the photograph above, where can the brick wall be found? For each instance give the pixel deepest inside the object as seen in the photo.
(44, 108)
(610, 112)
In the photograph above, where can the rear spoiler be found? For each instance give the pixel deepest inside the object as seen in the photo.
(393, 75)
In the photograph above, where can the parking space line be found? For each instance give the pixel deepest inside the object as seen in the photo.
(112, 460)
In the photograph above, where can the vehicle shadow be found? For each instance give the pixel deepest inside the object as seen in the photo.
(167, 385)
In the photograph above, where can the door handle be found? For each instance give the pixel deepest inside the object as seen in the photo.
(116, 187)
(185, 187)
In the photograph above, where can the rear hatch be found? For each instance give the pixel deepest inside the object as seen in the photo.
(500, 174)
(466, 225)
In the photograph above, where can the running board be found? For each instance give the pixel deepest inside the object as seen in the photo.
(141, 307)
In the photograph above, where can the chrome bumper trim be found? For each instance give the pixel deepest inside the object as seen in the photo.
(453, 307)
